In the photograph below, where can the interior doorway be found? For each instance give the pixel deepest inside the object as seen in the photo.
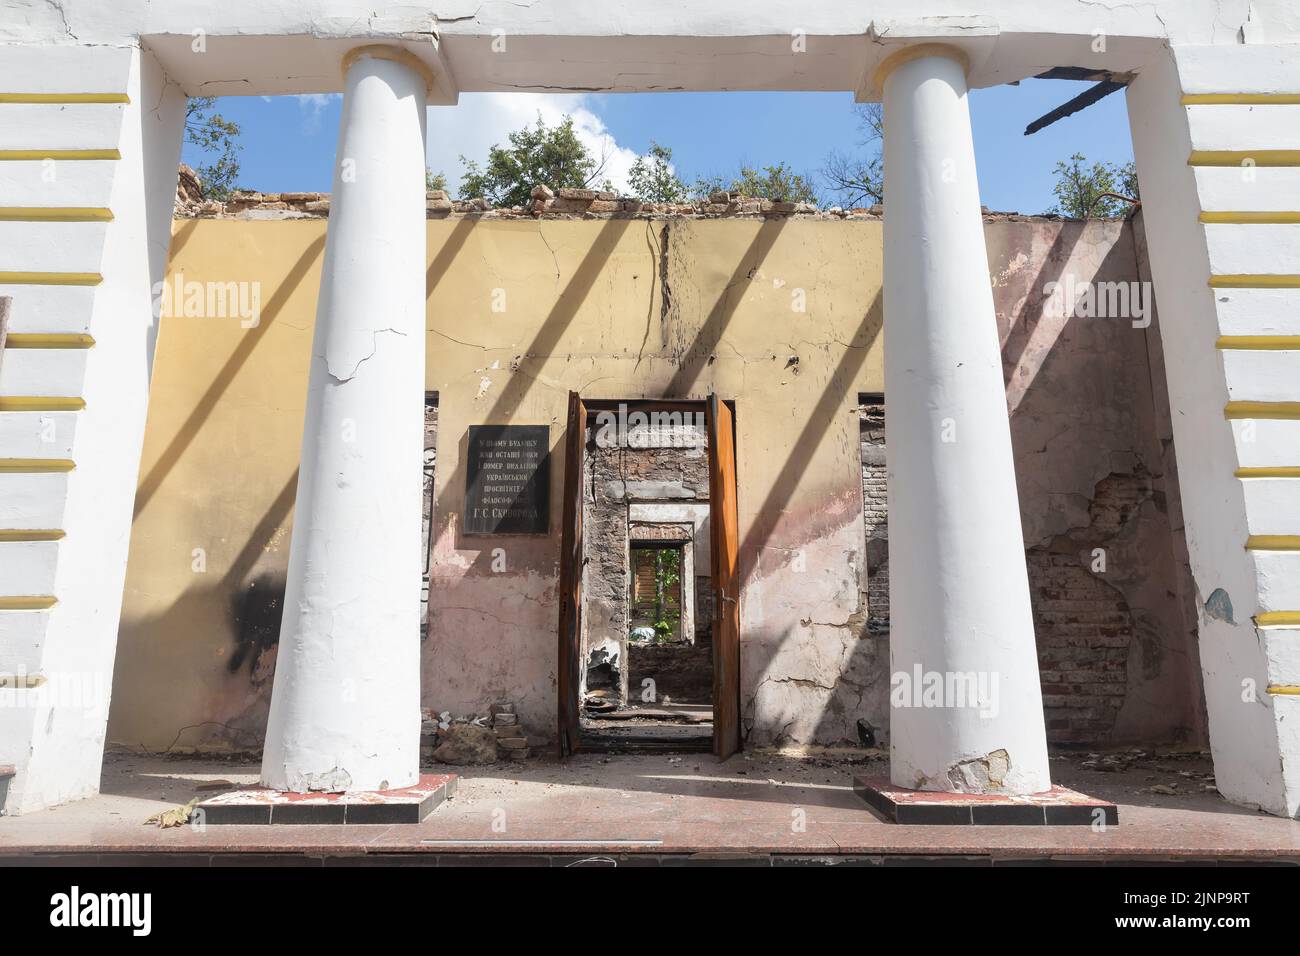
(649, 622)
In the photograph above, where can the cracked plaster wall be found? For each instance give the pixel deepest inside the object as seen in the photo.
(520, 313)
(1096, 470)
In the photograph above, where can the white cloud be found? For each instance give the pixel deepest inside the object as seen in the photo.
(312, 105)
(481, 120)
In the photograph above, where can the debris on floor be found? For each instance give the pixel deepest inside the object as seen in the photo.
(599, 702)
(466, 744)
(474, 739)
(1167, 773)
(175, 817)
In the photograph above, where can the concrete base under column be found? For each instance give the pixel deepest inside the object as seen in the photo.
(1058, 806)
(260, 805)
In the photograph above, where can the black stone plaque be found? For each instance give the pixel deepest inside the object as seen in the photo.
(508, 480)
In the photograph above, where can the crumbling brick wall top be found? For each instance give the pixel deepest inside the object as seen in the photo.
(546, 203)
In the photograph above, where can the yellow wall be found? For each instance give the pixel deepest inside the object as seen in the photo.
(583, 309)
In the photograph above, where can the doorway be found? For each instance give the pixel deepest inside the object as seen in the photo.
(649, 621)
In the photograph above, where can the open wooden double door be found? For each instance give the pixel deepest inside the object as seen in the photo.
(724, 552)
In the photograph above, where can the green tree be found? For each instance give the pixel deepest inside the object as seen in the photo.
(434, 180)
(537, 155)
(216, 136)
(667, 563)
(1092, 192)
(652, 179)
(858, 180)
(778, 183)
(1128, 180)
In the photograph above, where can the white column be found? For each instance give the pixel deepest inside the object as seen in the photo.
(959, 594)
(345, 710)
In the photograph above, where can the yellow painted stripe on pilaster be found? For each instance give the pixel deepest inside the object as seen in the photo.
(1284, 690)
(1251, 218)
(1246, 281)
(1273, 542)
(1241, 99)
(35, 466)
(1244, 157)
(1278, 619)
(50, 278)
(49, 340)
(41, 403)
(55, 214)
(23, 681)
(27, 602)
(64, 98)
(1268, 471)
(1286, 411)
(21, 155)
(31, 534)
(1259, 343)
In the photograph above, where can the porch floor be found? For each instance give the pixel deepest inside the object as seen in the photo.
(657, 809)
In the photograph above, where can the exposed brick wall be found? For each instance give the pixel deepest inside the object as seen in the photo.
(875, 506)
(1084, 629)
(1084, 626)
(430, 464)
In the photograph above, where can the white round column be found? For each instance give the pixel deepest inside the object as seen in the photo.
(345, 708)
(959, 593)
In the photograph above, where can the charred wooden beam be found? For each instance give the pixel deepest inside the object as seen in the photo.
(1080, 102)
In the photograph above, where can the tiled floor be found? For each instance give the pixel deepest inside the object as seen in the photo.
(659, 807)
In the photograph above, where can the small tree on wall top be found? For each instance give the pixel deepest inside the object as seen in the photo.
(778, 183)
(652, 178)
(538, 155)
(1093, 192)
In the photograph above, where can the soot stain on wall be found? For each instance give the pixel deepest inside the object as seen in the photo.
(255, 613)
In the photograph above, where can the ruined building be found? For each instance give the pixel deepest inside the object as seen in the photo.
(1089, 522)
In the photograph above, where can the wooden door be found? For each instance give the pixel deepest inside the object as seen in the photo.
(571, 561)
(724, 539)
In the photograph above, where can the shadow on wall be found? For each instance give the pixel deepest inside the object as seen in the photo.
(1116, 646)
(1116, 633)
(466, 601)
(243, 652)
(771, 659)
(1083, 415)
(240, 659)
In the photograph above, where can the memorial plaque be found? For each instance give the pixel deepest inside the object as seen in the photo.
(508, 479)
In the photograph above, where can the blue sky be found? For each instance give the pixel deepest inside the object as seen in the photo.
(289, 141)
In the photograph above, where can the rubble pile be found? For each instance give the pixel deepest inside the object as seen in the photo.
(475, 739)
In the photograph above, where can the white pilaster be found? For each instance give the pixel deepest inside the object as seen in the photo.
(1232, 359)
(345, 710)
(959, 593)
(88, 284)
